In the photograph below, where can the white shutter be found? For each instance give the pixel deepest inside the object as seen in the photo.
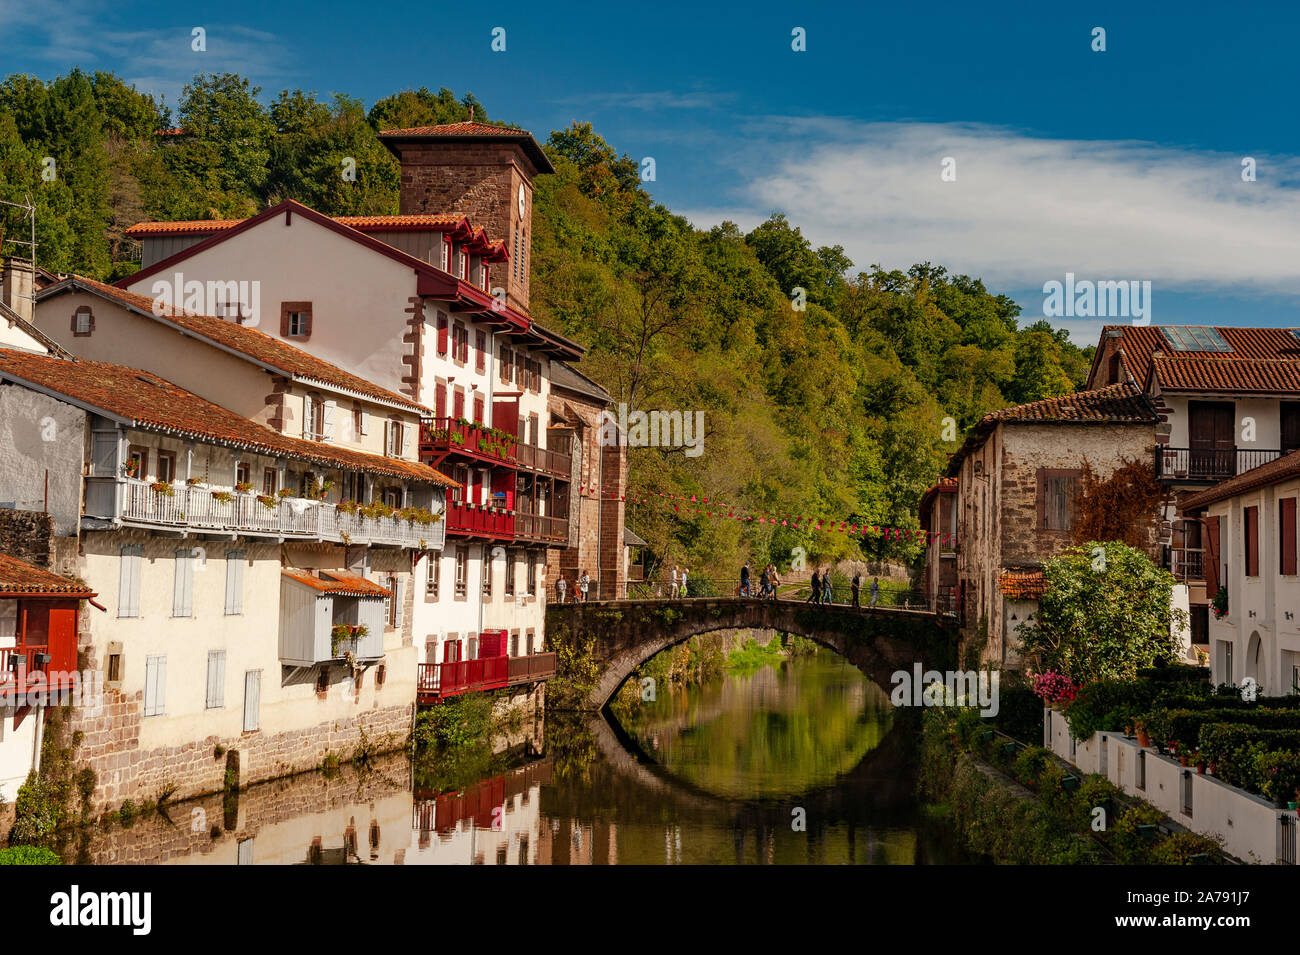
(155, 685)
(234, 582)
(327, 423)
(252, 699)
(307, 415)
(365, 421)
(388, 440)
(397, 596)
(128, 586)
(216, 697)
(406, 440)
(183, 584)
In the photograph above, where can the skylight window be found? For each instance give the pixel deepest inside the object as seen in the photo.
(1194, 338)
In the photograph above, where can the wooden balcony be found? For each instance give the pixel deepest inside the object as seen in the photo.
(437, 681)
(1208, 466)
(540, 529)
(544, 461)
(440, 437)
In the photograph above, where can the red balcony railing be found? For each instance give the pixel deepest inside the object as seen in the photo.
(31, 665)
(465, 438)
(477, 520)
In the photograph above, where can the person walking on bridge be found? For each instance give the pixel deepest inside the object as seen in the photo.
(744, 580)
(875, 591)
(815, 595)
(855, 587)
(674, 587)
(773, 581)
(764, 582)
(826, 586)
(584, 584)
(561, 586)
(684, 592)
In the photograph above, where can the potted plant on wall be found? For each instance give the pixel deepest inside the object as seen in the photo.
(163, 488)
(1144, 738)
(243, 487)
(131, 468)
(1220, 603)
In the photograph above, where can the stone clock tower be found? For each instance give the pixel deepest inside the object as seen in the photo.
(486, 173)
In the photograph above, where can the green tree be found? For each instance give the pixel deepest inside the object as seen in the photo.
(1106, 613)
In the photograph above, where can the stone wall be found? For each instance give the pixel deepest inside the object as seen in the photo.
(110, 746)
(28, 536)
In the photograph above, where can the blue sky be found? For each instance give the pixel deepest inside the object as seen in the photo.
(1115, 165)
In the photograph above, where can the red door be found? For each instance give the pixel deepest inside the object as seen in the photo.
(63, 638)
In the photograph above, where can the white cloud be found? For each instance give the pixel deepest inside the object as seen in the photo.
(1024, 210)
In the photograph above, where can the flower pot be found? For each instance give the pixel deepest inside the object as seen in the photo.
(1144, 739)
(1291, 804)
(1214, 769)
(1200, 770)
(1183, 761)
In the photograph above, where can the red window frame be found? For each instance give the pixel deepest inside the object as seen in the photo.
(1250, 539)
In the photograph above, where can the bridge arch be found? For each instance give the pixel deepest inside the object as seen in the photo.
(623, 634)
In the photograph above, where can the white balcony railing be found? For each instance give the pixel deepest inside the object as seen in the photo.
(201, 507)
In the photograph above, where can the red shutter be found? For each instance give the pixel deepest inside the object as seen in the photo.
(478, 408)
(442, 334)
(1286, 517)
(458, 404)
(1252, 541)
(440, 399)
(1211, 556)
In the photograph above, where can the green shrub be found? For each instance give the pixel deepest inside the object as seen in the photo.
(1129, 841)
(29, 855)
(1183, 726)
(1186, 848)
(1278, 773)
(1233, 747)
(1029, 764)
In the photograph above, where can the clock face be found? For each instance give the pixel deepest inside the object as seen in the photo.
(521, 200)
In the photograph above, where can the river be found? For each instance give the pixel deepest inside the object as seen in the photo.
(796, 762)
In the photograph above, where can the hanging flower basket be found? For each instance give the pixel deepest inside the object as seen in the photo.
(1220, 603)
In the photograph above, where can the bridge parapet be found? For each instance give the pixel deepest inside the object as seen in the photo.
(601, 643)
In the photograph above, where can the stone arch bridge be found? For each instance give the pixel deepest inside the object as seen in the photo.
(620, 635)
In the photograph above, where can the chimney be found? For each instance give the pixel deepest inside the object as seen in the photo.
(17, 279)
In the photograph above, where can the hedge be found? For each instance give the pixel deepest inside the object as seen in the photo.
(1183, 726)
(1233, 747)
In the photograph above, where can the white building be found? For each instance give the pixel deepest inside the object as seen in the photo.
(1250, 552)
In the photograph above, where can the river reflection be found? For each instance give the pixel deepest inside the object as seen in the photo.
(794, 763)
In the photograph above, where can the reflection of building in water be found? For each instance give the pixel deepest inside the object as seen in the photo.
(571, 842)
(498, 821)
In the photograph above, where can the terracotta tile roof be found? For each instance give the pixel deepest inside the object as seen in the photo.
(153, 403)
(342, 582)
(1274, 472)
(457, 129)
(1022, 584)
(1140, 342)
(1224, 374)
(243, 339)
(470, 132)
(1115, 403)
(436, 221)
(1122, 403)
(18, 578)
